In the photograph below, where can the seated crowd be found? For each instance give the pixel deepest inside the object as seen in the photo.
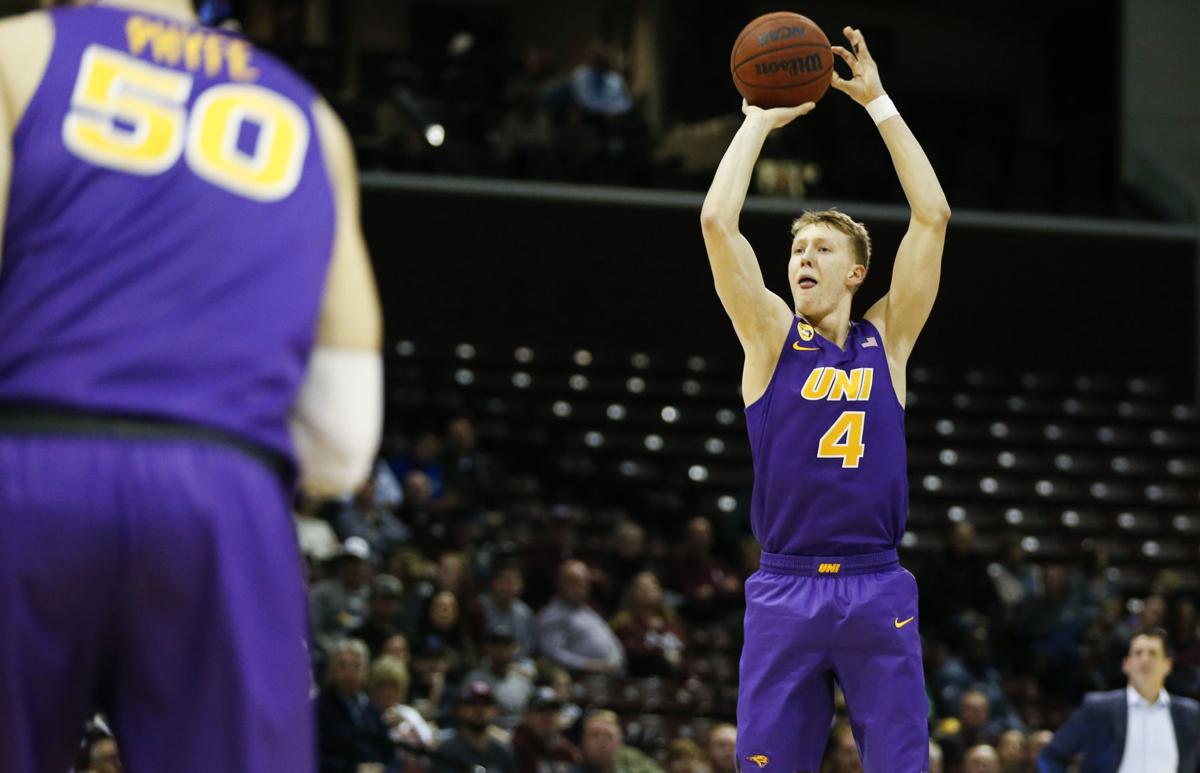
(459, 620)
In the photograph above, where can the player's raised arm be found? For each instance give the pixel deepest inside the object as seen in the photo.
(337, 420)
(756, 312)
(902, 312)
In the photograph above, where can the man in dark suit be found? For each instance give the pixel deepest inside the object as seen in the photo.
(1140, 729)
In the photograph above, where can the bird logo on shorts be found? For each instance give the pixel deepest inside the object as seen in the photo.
(760, 760)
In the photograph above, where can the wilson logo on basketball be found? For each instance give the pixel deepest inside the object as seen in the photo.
(795, 66)
(829, 568)
(782, 33)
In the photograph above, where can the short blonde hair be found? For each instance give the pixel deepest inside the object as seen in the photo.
(390, 671)
(604, 715)
(685, 749)
(860, 240)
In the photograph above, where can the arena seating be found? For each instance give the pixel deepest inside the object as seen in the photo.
(1049, 459)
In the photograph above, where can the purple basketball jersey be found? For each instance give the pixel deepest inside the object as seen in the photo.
(169, 228)
(827, 440)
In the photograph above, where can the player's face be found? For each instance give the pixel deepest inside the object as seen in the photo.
(822, 270)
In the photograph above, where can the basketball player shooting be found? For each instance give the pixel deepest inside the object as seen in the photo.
(188, 324)
(824, 402)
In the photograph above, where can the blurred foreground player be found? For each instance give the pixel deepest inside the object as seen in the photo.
(182, 274)
(824, 406)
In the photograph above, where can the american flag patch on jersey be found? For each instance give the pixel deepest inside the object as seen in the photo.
(868, 342)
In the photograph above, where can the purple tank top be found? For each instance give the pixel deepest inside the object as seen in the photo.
(827, 440)
(169, 228)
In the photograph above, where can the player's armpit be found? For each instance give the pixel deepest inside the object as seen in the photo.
(350, 312)
(757, 313)
(902, 313)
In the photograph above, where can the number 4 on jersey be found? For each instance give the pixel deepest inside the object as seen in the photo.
(844, 440)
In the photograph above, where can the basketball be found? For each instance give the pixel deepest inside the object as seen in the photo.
(780, 60)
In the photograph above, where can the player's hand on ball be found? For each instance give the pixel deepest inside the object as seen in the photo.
(865, 84)
(776, 116)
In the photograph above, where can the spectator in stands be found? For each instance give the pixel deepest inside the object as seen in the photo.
(388, 690)
(397, 647)
(1093, 581)
(749, 557)
(453, 573)
(1015, 577)
(423, 515)
(1103, 647)
(965, 593)
(538, 742)
(604, 751)
(502, 606)
(624, 558)
(1141, 728)
(650, 632)
(416, 573)
(373, 521)
(510, 681)
(841, 752)
(1011, 751)
(1153, 613)
(318, 542)
(722, 748)
(598, 87)
(100, 754)
(554, 541)
(571, 713)
(430, 693)
(424, 457)
(685, 756)
(1051, 629)
(937, 759)
(350, 729)
(971, 727)
(711, 586)
(974, 669)
(602, 739)
(383, 613)
(338, 604)
(981, 759)
(1184, 627)
(442, 620)
(525, 135)
(571, 634)
(472, 473)
(474, 741)
(1037, 741)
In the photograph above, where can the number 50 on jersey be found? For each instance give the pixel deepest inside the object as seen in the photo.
(129, 115)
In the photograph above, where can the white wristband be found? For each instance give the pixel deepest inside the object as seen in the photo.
(881, 108)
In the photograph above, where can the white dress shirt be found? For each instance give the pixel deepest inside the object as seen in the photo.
(1149, 735)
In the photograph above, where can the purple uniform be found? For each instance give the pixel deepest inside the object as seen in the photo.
(830, 602)
(169, 229)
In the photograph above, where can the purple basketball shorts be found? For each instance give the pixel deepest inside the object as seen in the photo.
(814, 621)
(159, 581)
